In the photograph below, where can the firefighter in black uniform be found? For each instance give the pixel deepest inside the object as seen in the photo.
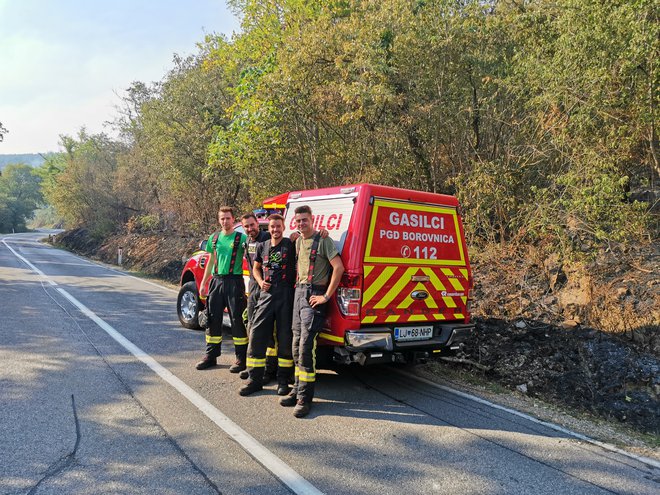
(254, 236)
(225, 290)
(319, 271)
(274, 270)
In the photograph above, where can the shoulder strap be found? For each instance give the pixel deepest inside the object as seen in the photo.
(214, 245)
(234, 251)
(246, 252)
(312, 257)
(265, 261)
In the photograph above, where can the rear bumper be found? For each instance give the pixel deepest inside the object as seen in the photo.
(445, 335)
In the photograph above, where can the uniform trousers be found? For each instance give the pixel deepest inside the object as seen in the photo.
(271, 351)
(226, 291)
(307, 323)
(272, 314)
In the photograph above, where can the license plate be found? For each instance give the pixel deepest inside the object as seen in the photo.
(413, 333)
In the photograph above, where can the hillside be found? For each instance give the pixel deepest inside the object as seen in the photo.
(32, 159)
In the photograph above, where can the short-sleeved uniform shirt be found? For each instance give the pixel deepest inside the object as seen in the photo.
(281, 262)
(322, 267)
(252, 249)
(223, 252)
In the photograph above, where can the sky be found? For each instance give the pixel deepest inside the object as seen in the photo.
(65, 63)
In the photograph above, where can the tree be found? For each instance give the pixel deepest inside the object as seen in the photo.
(165, 170)
(20, 195)
(82, 187)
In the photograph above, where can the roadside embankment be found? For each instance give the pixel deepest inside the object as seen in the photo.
(584, 335)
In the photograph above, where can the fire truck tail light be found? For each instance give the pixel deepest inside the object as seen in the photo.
(349, 301)
(468, 301)
(349, 294)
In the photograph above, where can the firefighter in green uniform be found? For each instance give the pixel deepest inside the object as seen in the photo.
(225, 290)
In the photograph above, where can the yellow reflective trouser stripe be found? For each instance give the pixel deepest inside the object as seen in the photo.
(240, 340)
(213, 340)
(314, 354)
(296, 372)
(285, 363)
(306, 377)
(256, 363)
(271, 351)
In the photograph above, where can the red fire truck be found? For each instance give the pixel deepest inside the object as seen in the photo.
(405, 294)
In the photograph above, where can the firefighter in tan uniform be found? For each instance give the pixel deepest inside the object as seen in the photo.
(319, 271)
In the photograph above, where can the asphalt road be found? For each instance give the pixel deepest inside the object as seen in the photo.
(98, 394)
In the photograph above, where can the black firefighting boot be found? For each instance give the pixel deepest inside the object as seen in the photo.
(305, 397)
(302, 408)
(206, 362)
(289, 400)
(241, 354)
(283, 388)
(211, 357)
(284, 376)
(250, 388)
(255, 382)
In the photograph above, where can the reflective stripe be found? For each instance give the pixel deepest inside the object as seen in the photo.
(314, 357)
(296, 372)
(306, 377)
(256, 363)
(271, 351)
(331, 338)
(241, 341)
(213, 340)
(285, 363)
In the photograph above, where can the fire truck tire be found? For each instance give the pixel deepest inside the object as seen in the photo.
(187, 306)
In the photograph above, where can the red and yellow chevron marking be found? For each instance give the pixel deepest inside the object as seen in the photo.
(387, 294)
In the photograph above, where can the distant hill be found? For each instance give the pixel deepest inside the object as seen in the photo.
(32, 159)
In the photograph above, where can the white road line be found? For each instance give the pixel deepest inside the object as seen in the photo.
(561, 429)
(32, 267)
(266, 458)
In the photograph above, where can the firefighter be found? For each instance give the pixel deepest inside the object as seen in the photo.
(274, 270)
(225, 290)
(255, 236)
(319, 270)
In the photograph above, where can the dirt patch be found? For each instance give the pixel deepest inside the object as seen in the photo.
(584, 335)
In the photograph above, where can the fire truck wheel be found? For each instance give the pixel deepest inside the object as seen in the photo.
(187, 306)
